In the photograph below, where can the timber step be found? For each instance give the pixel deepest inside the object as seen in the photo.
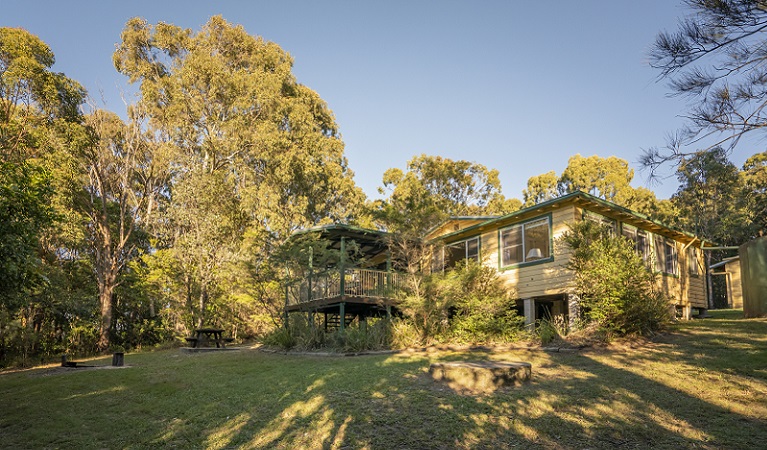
(333, 321)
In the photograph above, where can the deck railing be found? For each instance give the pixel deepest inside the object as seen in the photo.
(355, 283)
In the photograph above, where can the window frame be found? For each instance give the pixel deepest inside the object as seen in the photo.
(642, 246)
(522, 227)
(693, 268)
(465, 242)
(662, 258)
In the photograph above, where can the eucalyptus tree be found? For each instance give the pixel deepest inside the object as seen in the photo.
(434, 188)
(540, 188)
(754, 181)
(120, 184)
(251, 152)
(32, 97)
(608, 178)
(708, 194)
(708, 201)
(718, 59)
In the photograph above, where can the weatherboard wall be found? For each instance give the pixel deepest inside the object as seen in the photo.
(540, 278)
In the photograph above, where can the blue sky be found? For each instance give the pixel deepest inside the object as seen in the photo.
(519, 86)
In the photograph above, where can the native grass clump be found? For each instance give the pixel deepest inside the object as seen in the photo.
(306, 332)
(618, 292)
(465, 305)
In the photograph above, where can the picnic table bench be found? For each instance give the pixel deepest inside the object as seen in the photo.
(204, 336)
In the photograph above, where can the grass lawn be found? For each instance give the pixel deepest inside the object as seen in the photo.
(704, 385)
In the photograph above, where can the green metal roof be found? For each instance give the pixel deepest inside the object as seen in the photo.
(371, 242)
(577, 197)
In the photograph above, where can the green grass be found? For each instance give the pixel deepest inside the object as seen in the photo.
(704, 385)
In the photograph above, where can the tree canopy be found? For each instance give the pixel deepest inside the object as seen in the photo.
(434, 188)
(252, 155)
(608, 178)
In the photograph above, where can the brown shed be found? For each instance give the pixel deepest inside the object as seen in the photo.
(730, 269)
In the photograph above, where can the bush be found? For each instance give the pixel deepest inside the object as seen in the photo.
(468, 304)
(301, 334)
(404, 333)
(618, 292)
(375, 336)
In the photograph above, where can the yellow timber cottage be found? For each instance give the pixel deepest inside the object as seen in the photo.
(525, 248)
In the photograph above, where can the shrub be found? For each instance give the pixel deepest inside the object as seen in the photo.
(300, 333)
(375, 336)
(468, 304)
(618, 291)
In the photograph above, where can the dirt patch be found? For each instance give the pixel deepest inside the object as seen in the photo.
(58, 370)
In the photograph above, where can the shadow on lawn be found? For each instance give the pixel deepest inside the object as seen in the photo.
(689, 389)
(589, 400)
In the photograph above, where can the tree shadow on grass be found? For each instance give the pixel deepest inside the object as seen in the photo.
(677, 393)
(574, 401)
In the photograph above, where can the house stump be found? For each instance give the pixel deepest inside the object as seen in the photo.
(482, 376)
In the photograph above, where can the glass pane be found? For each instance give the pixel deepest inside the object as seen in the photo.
(630, 232)
(643, 244)
(670, 257)
(472, 249)
(660, 254)
(511, 246)
(537, 240)
(455, 253)
(692, 260)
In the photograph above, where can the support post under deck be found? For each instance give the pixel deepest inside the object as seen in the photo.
(529, 305)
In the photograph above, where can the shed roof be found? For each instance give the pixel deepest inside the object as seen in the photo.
(724, 262)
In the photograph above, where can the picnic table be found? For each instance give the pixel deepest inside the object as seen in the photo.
(205, 336)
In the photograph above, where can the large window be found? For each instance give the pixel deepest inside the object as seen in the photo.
(639, 238)
(666, 256)
(526, 242)
(459, 251)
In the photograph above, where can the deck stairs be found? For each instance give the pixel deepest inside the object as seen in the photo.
(333, 321)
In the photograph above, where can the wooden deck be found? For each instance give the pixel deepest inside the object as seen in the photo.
(326, 290)
(327, 303)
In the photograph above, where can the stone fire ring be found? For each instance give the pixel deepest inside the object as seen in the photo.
(482, 376)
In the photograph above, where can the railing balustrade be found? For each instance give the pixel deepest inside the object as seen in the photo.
(357, 283)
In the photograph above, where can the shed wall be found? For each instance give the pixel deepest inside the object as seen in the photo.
(753, 268)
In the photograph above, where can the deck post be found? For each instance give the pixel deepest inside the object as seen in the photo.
(311, 273)
(342, 315)
(529, 305)
(287, 293)
(342, 272)
(573, 310)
